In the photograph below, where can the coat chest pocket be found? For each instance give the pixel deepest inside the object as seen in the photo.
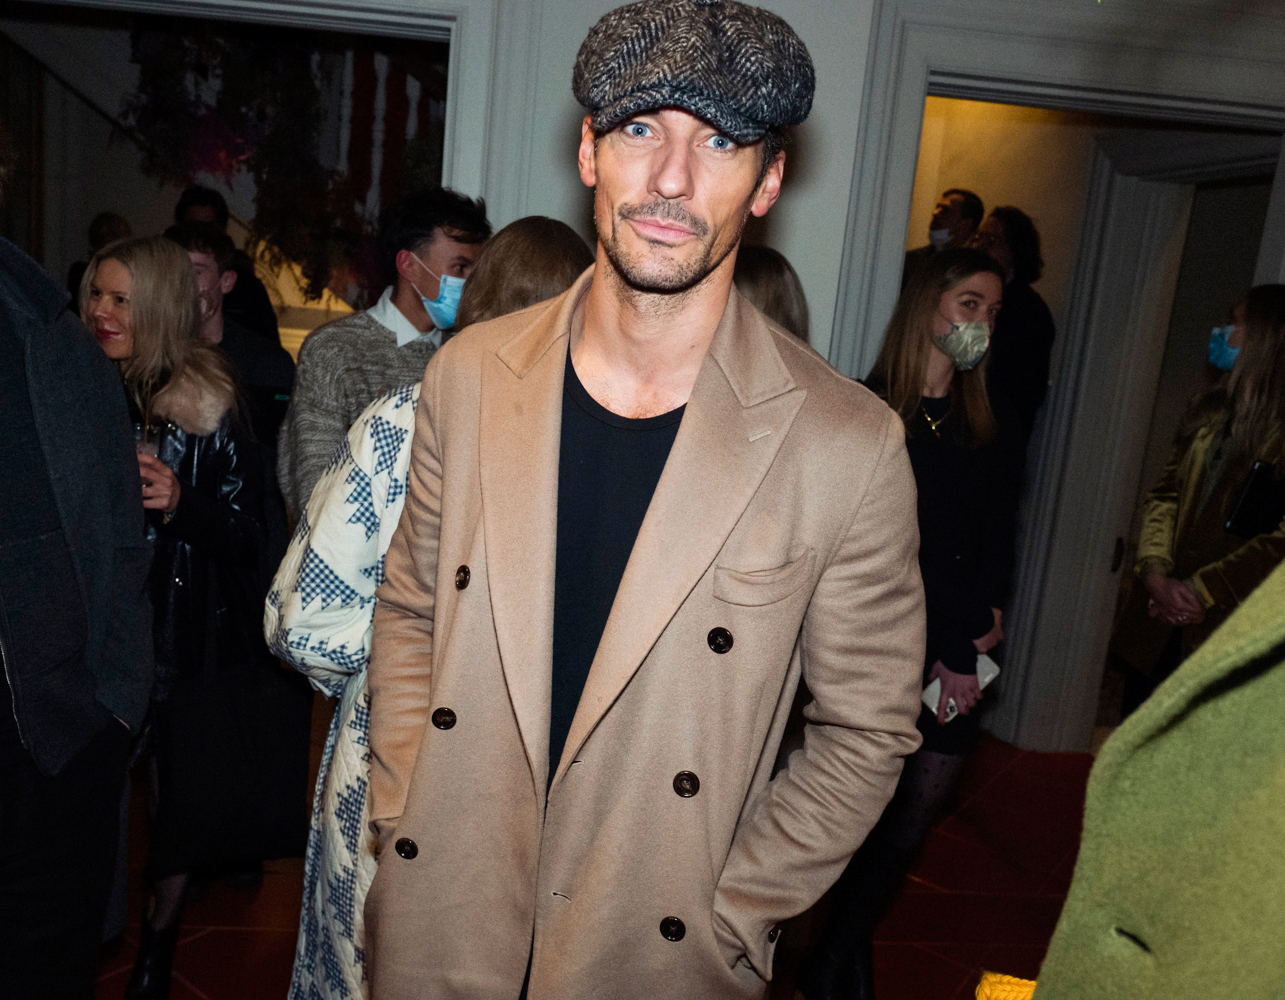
(756, 588)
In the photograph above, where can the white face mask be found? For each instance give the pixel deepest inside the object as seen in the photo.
(939, 237)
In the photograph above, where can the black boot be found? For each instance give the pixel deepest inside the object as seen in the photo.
(151, 976)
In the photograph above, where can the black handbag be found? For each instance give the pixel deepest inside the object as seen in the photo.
(1261, 504)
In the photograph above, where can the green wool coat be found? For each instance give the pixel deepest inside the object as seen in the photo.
(1179, 890)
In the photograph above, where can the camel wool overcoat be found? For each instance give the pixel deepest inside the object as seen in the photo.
(781, 542)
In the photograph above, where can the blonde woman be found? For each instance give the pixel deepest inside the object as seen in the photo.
(229, 727)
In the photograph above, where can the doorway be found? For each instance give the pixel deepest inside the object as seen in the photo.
(1218, 260)
(1111, 196)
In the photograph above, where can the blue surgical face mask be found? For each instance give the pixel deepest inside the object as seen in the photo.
(1221, 354)
(442, 309)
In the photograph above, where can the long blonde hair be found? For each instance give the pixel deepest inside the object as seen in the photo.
(1257, 385)
(165, 321)
(903, 358)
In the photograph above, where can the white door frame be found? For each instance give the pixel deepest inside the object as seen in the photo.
(1051, 53)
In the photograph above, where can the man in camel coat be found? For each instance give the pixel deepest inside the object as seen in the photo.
(638, 516)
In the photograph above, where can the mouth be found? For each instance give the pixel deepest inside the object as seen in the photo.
(660, 230)
(103, 333)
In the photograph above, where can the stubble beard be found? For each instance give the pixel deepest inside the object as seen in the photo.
(660, 276)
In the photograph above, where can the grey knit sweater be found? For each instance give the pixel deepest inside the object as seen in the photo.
(343, 367)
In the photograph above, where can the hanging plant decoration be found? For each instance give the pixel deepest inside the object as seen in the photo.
(330, 128)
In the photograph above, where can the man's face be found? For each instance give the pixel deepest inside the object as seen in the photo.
(671, 195)
(443, 254)
(211, 283)
(948, 215)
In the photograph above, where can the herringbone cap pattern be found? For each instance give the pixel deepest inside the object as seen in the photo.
(740, 68)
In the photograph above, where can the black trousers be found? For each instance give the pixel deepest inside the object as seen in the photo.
(58, 839)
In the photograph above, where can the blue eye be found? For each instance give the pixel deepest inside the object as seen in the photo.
(721, 142)
(638, 130)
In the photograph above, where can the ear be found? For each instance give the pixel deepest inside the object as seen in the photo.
(586, 157)
(407, 265)
(769, 188)
(227, 281)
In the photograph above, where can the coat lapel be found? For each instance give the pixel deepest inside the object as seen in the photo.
(738, 415)
(521, 413)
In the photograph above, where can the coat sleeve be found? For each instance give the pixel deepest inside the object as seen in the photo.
(1160, 515)
(313, 427)
(1227, 582)
(401, 661)
(328, 640)
(862, 649)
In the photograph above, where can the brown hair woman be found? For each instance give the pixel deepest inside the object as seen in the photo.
(932, 372)
(528, 261)
(1213, 528)
(765, 277)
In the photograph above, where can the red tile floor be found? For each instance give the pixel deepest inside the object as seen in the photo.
(985, 895)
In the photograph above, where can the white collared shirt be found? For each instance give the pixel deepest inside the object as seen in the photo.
(386, 314)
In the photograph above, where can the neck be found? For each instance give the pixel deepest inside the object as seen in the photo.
(409, 304)
(212, 328)
(938, 375)
(638, 353)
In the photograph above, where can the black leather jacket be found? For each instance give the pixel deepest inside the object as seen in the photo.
(208, 572)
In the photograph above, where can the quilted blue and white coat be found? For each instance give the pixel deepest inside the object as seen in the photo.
(318, 618)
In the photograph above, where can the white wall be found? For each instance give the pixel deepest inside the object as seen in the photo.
(1030, 158)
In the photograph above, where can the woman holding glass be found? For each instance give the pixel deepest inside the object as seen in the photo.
(229, 728)
(932, 371)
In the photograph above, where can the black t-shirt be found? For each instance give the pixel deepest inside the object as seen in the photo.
(608, 467)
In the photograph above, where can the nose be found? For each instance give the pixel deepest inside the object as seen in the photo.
(672, 175)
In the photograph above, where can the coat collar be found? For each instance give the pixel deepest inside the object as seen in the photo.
(739, 412)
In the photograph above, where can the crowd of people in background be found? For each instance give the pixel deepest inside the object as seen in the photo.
(223, 509)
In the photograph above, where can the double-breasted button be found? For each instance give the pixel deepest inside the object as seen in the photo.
(443, 718)
(720, 640)
(686, 784)
(462, 577)
(672, 929)
(406, 848)
(773, 934)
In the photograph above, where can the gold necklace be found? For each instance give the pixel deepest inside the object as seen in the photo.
(933, 424)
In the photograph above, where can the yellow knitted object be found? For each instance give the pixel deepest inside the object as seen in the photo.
(995, 986)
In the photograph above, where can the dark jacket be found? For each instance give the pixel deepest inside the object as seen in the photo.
(265, 372)
(207, 575)
(249, 303)
(967, 523)
(231, 725)
(76, 636)
(1017, 373)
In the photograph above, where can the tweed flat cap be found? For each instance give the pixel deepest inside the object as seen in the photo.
(740, 68)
